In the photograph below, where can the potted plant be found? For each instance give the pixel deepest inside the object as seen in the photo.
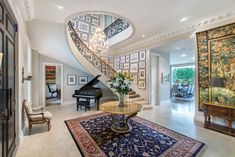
(120, 83)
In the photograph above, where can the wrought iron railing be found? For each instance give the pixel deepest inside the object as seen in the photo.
(89, 55)
(116, 27)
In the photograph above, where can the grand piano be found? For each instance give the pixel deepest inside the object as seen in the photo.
(89, 91)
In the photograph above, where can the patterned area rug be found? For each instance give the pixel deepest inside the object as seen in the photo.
(94, 138)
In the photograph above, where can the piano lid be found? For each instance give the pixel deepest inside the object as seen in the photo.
(91, 83)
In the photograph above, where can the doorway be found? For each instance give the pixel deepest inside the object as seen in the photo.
(52, 84)
(8, 67)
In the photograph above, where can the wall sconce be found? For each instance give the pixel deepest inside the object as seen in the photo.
(27, 78)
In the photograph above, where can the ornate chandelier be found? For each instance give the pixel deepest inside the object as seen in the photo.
(98, 42)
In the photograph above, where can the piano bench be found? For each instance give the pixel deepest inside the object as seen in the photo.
(86, 104)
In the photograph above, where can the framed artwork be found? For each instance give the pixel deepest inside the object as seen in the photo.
(88, 19)
(84, 36)
(83, 27)
(134, 57)
(126, 66)
(135, 78)
(216, 51)
(81, 17)
(134, 68)
(82, 80)
(95, 22)
(122, 59)
(142, 74)
(165, 78)
(128, 58)
(93, 28)
(121, 66)
(141, 85)
(71, 79)
(142, 64)
(142, 55)
(95, 15)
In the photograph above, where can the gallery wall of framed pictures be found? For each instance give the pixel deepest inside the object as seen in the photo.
(73, 79)
(85, 25)
(134, 64)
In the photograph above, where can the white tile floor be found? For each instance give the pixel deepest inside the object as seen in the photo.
(176, 116)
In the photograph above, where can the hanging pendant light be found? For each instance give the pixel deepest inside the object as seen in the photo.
(98, 42)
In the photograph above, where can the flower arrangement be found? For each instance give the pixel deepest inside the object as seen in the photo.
(121, 83)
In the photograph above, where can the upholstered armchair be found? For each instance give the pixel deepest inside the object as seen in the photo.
(36, 117)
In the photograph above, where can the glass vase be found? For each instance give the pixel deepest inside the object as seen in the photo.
(121, 100)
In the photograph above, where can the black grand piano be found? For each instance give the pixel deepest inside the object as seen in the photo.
(87, 92)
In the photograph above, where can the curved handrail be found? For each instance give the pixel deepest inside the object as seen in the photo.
(116, 27)
(89, 55)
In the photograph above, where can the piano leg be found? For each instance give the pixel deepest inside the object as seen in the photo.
(97, 104)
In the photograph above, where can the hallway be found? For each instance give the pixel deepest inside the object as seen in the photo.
(174, 115)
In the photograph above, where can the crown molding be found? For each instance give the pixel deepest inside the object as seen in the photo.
(27, 9)
(154, 40)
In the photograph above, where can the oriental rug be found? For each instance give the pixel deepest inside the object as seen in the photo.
(94, 138)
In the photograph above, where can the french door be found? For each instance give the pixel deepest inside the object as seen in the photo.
(7, 80)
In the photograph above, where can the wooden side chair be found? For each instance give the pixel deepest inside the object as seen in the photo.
(36, 117)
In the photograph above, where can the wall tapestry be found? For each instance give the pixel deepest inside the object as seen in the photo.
(216, 58)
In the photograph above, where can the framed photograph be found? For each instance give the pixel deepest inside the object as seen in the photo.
(95, 22)
(82, 80)
(121, 66)
(88, 19)
(126, 66)
(142, 64)
(81, 17)
(135, 78)
(134, 68)
(141, 85)
(134, 57)
(71, 79)
(83, 27)
(142, 55)
(165, 78)
(128, 58)
(142, 74)
(95, 15)
(84, 36)
(93, 28)
(122, 59)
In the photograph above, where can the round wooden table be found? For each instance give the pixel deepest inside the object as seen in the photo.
(121, 115)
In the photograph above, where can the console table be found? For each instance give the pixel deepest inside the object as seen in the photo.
(226, 112)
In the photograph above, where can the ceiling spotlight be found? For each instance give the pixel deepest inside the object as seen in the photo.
(143, 35)
(60, 7)
(184, 19)
(183, 55)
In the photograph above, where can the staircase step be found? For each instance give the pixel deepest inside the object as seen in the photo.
(134, 96)
(136, 99)
(142, 102)
(131, 93)
(147, 107)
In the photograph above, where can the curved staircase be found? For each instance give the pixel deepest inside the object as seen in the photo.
(94, 64)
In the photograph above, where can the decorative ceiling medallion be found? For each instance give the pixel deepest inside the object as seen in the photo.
(27, 9)
(170, 34)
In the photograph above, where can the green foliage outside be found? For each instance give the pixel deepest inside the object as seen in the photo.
(183, 74)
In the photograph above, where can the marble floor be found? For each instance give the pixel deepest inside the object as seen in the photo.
(175, 115)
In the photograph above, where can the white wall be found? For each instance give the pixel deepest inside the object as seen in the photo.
(49, 39)
(164, 67)
(23, 44)
(68, 90)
